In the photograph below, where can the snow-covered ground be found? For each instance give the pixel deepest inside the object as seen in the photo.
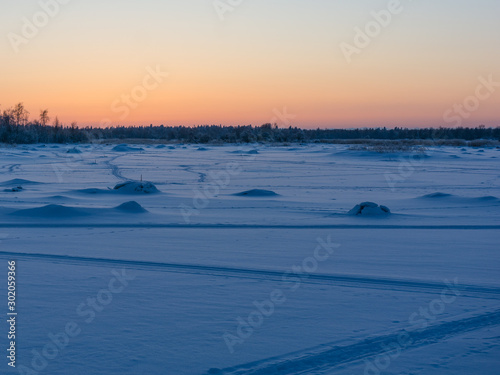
(245, 259)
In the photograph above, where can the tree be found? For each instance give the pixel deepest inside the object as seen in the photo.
(21, 115)
(44, 116)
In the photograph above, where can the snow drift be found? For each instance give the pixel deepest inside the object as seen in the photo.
(369, 209)
(16, 189)
(257, 193)
(131, 207)
(18, 182)
(449, 198)
(51, 211)
(437, 195)
(92, 191)
(249, 152)
(135, 187)
(128, 187)
(126, 148)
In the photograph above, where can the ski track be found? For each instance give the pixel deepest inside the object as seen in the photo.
(115, 170)
(318, 359)
(11, 168)
(201, 176)
(474, 291)
(328, 356)
(244, 226)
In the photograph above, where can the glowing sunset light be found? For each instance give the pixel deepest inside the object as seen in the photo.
(330, 63)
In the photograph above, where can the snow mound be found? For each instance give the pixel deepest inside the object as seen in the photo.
(249, 152)
(73, 150)
(126, 148)
(59, 198)
(129, 187)
(18, 182)
(135, 187)
(52, 211)
(257, 193)
(459, 199)
(92, 191)
(202, 149)
(369, 209)
(160, 146)
(488, 198)
(132, 207)
(437, 195)
(16, 189)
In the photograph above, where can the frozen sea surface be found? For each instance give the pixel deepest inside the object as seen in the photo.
(244, 259)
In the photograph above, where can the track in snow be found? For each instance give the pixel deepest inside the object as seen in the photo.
(326, 357)
(115, 170)
(244, 226)
(11, 167)
(201, 176)
(476, 291)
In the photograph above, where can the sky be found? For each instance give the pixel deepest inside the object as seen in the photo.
(306, 63)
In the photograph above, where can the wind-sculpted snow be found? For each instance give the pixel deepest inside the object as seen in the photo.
(257, 193)
(242, 152)
(437, 195)
(14, 189)
(74, 150)
(131, 206)
(369, 209)
(56, 212)
(126, 148)
(52, 211)
(214, 233)
(18, 181)
(136, 187)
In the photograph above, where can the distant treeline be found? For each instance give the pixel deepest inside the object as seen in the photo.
(16, 128)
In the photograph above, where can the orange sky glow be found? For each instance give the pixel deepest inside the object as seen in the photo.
(171, 63)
